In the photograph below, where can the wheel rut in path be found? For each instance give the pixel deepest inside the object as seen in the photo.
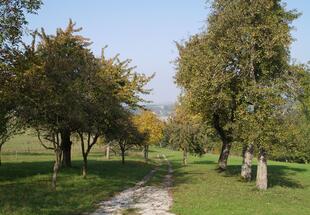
(141, 199)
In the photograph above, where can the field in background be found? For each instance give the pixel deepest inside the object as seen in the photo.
(18, 147)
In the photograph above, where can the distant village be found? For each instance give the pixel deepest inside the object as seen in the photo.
(163, 111)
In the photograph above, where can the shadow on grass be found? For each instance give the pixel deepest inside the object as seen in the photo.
(25, 187)
(204, 162)
(278, 175)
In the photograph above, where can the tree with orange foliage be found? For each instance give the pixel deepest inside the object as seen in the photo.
(148, 123)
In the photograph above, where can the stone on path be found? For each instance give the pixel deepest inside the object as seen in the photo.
(146, 200)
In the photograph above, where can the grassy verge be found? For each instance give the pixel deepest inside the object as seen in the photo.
(200, 189)
(25, 182)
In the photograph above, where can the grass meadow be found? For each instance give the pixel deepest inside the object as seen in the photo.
(26, 171)
(198, 188)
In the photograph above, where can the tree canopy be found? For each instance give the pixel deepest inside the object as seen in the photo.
(237, 72)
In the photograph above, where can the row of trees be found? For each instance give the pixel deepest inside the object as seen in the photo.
(57, 87)
(142, 130)
(238, 77)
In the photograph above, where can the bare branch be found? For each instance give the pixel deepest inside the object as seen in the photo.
(41, 142)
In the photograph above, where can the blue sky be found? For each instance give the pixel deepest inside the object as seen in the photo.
(145, 31)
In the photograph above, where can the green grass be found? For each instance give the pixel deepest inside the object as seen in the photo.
(25, 180)
(200, 189)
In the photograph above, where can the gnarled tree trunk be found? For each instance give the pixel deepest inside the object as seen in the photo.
(246, 169)
(226, 142)
(261, 178)
(222, 162)
(57, 164)
(66, 148)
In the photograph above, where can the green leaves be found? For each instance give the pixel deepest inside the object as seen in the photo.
(12, 24)
(61, 85)
(186, 132)
(241, 60)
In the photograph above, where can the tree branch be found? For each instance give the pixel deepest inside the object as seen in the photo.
(41, 142)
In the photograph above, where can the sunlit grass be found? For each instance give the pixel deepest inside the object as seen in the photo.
(25, 181)
(200, 189)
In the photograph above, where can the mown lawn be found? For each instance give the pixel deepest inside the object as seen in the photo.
(200, 189)
(25, 180)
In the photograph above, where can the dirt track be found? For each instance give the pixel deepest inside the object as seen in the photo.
(141, 199)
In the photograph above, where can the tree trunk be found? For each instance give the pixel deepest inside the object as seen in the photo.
(108, 151)
(66, 148)
(226, 142)
(146, 152)
(261, 178)
(84, 166)
(123, 156)
(56, 168)
(0, 154)
(222, 162)
(185, 157)
(246, 169)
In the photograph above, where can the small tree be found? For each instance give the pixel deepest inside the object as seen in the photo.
(53, 139)
(123, 132)
(148, 123)
(97, 106)
(185, 132)
(48, 87)
(91, 140)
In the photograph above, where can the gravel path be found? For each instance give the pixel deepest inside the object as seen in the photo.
(141, 199)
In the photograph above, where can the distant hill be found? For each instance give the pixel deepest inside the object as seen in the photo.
(162, 110)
